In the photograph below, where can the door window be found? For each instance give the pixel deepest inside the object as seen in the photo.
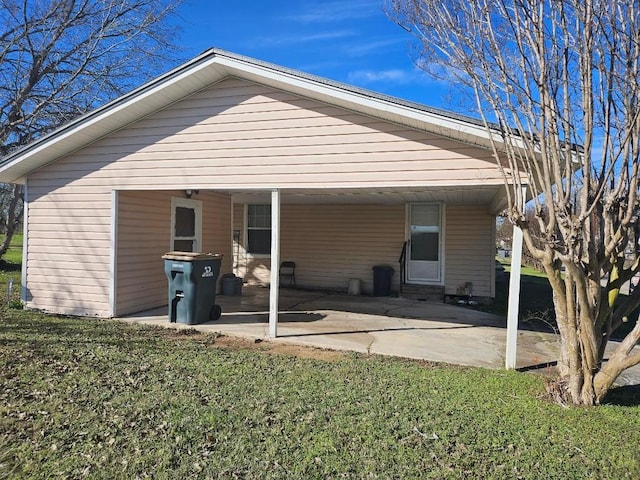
(425, 233)
(186, 225)
(425, 243)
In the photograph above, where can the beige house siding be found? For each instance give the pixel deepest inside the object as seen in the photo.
(242, 264)
(332, 244)
(235, 134)
(241, 134)
(144, 224)
(470, 250)
(68, 260)
(144, 233)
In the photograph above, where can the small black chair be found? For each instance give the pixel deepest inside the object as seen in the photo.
(288, 270)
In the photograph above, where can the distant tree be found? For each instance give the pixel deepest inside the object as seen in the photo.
(61, 58)
(561, 80)
(504, 231)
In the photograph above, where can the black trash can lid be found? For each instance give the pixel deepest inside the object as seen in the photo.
(383, 268)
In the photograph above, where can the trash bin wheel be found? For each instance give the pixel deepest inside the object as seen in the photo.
(215, 313)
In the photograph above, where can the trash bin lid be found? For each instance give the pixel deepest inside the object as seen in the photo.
(383, 268)
(190, 256)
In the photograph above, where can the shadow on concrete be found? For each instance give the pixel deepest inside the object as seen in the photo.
(373, 330)
(255, 301)
(235, 318)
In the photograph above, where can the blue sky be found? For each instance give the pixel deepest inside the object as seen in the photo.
(350, 41)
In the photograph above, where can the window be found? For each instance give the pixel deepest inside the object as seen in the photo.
(425, 232)
(186, 225)
(259, 229)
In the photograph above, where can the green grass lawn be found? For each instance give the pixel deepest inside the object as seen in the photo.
(101, 399)
(536, 302)
(10, 265)
(14, 254)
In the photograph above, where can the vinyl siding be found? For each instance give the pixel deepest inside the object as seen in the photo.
(332, 244)
(68, 254)
(470, 249)
(235, 134)
(144, 233)
(241, 134)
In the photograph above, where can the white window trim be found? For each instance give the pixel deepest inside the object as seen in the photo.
(196, 205)
(245, 234)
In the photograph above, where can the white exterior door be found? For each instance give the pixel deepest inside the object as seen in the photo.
(424, 257)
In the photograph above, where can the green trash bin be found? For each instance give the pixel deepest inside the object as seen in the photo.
(192, 286)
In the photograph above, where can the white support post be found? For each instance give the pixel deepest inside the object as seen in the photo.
(275, 264)
(513, 308)
(113, 267)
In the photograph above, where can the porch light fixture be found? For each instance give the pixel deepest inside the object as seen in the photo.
(188, 193)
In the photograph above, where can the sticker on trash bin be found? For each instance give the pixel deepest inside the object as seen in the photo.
(207, 272)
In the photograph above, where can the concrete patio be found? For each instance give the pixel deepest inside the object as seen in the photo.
(381, 325)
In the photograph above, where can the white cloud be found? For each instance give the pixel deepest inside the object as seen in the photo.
(374, 46)
(384, 76)
(274, 41)
(335, 11)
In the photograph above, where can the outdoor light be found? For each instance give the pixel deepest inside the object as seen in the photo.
(189, 192)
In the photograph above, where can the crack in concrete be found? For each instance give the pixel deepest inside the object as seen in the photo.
(302, 302)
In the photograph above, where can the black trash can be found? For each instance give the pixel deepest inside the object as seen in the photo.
(231, 285)
(382, 275)
(192, 286)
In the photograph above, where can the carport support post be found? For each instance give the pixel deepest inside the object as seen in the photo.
(275, 263)
(513, 308)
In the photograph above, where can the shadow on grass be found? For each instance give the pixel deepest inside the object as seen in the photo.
(9, 267)
(27, 326)
(538, 366)
(624, 396)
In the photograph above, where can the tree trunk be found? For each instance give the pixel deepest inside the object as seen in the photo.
(14, 216)
(579, 357)
(621, 359)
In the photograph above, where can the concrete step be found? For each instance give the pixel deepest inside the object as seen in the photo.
(428, 293)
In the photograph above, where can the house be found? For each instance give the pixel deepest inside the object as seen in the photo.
(224, 154)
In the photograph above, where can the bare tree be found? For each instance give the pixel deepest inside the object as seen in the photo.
(557, 86)
(61, 58)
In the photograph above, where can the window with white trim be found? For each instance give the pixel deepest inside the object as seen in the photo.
(186, 225)
(259, 229)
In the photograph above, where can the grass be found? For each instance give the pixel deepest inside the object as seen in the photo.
(102, 399)
(10, 265)
(14, 253)
(536, 302)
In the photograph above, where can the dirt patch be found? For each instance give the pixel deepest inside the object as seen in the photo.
(217, 340)
(279, 348)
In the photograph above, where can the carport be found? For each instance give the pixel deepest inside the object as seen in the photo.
(102, 193)
(380, 325)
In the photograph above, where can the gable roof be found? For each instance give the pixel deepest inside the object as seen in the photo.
(212, 66)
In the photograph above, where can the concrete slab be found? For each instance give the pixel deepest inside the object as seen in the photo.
(381, 325)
